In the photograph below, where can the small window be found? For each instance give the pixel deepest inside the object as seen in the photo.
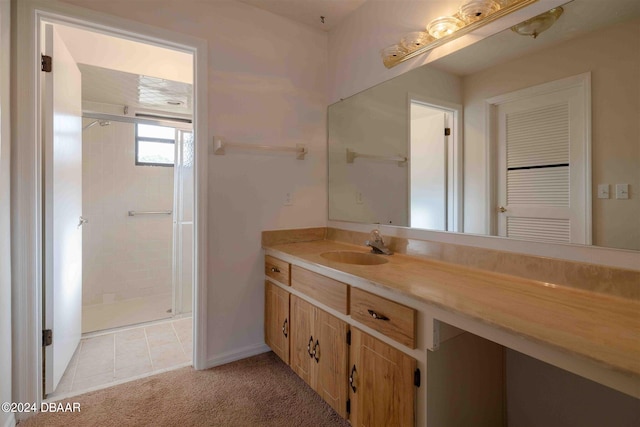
(155, 145)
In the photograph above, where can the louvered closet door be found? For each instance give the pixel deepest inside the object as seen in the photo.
(542, 168)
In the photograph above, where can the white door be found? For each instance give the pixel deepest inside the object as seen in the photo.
(62, 165)
(543, 181)
(429, 161)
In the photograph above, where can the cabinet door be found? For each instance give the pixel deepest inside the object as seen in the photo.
(331, 360)
(276, 320)
(302, 339)
(382, 392)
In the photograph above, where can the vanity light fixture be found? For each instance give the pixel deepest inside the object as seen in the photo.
(472, 14)
(444, 26)
(475, 10)
(534, 26)
(415, 40)
(504, 3)
(393, 54)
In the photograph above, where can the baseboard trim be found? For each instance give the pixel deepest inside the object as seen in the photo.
(10, 421)
(232, 356)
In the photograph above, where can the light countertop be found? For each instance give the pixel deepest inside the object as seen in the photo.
(603, 328)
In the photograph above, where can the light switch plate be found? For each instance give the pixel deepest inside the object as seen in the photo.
(603, 191)
(622, 191)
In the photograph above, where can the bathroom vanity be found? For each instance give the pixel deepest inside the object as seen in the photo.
(404, 340)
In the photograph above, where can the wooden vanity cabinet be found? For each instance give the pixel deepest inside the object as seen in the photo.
(367, 381)
(277, 269)
(394, 320)
(320, 288)
(382, 388)
(319, 352)
(276, 320)
(302, 338)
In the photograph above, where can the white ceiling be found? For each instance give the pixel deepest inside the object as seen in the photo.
(309, 11)
(123, 72)
(101, 50)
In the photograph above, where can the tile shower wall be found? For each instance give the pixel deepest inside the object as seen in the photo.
(123, 257)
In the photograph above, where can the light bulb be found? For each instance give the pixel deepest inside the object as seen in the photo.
(443, 26)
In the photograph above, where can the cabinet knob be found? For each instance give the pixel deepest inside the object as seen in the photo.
(275, 270)
(377, 316)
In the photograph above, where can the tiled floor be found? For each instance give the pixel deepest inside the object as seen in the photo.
(98, 317)
(114, 357)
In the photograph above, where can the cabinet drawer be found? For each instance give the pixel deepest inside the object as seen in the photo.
(277, 269)
(395, 320)
(327, 291)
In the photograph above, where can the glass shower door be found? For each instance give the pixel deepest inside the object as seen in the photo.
(183, 224)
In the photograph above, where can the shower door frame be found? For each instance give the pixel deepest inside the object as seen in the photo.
(27, 188)
(177, 256)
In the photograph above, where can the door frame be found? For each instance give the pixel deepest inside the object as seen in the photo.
(583, 81)
(6, 418)
(27, 188)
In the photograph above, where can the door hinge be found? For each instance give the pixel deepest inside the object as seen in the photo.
(416, 378)
(348, 337)
(46, 63)
(447, 131)
(47, 337)
(348, 406)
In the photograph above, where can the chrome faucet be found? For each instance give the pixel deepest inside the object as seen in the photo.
(376, 242)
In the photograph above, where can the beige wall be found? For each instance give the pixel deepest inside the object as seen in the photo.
(123, 257)
(267, 85)
(613, 57)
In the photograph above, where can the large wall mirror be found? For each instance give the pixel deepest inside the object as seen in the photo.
(534, 139)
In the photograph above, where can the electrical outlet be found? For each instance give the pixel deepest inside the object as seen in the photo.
(359, 200)
(288, 199)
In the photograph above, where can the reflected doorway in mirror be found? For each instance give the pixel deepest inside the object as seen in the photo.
(434, 200)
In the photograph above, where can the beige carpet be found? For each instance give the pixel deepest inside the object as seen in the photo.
(259, 391)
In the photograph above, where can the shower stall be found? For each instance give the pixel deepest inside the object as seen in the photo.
(137, 196)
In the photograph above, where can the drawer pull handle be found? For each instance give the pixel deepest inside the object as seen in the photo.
(309, 346)
(275, 270)
(285, 329)
(351, 378)
(316, 351)
(377, 316)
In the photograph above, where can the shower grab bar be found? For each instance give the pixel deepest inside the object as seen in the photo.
(351, 156)
(219, 146)
(134, 213)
